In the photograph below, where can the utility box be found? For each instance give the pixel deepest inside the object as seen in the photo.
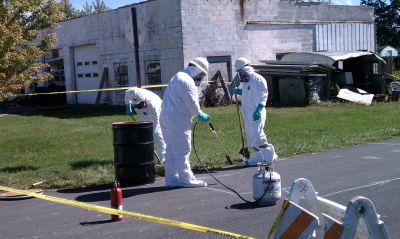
(292, 91)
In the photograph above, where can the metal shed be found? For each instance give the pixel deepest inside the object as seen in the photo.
(304, 77)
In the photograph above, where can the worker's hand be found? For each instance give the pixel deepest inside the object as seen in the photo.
(235, 90)
(203, 117)
(129, 110)
(257, 112)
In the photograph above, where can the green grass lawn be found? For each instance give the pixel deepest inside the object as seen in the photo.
(72, 146)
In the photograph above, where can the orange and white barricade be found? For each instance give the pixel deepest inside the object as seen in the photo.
(295, 222)
(306, 215)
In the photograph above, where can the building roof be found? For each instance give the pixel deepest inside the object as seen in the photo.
(311, 63)
(388, 50)
(329, 58)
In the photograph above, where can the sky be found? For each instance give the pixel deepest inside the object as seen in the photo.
(109, 3)
(119, 3)
(346, 2)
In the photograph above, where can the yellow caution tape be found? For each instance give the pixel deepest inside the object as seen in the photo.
(96, 90)
(138, 216)
(92, 90)
(278, 219)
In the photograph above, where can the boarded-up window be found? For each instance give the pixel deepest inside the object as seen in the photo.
(54, 58)
(153, 72)
(121, 74)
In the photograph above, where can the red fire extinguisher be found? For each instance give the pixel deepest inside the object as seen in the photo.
(116, 201)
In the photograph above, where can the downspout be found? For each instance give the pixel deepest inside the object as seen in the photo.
(136, 43)
(72, 54)
(241, 9)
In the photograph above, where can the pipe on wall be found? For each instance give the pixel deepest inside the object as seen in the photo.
(136, 43)
(242, 9)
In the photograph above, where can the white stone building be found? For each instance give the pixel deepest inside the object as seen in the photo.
(172, 32)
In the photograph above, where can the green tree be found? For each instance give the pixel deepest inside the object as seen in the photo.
(23, 40)
(97, 6)
(68, 10)
(387, 21)
(87, 9)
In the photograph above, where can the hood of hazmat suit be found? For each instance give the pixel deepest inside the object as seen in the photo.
(240, 63)
(198, 69)
(201, 63)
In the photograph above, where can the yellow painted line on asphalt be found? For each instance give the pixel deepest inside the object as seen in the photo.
(138, 216)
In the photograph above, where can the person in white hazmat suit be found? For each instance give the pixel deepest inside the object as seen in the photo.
(180, 105)
(254, 94)
(148, 106)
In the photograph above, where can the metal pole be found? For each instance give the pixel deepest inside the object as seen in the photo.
(136, 43)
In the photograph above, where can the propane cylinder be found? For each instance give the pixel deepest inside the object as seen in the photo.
(266, 184)
(116, 201)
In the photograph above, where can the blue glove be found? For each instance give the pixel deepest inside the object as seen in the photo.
(235, 90)
(129, 110)
(257, 112)
(203, 117)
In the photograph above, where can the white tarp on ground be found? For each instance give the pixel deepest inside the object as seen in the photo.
(365, 99)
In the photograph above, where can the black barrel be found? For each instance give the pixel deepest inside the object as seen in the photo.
(134, 152)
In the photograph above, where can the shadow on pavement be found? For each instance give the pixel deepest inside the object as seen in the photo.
(126, 192)
(86, 189)
(95, 222)
(218, 169)
(246, 206)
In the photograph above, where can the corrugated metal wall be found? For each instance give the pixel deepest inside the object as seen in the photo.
(345, 37)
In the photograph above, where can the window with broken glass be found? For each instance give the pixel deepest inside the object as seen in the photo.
(121, 74)
(54, 58)
(153, 72)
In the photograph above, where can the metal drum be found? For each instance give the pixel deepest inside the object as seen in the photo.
(134, 152)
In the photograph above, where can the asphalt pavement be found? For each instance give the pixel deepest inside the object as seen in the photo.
(371, 170)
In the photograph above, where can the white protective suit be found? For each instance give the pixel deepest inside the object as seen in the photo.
(255, 92)
(151, 112)
(180, 105)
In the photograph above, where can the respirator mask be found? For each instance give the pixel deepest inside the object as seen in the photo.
(141, 105)
(244, 76)
(199, 78)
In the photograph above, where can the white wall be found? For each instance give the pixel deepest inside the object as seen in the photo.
(160, 38)
(268, 27)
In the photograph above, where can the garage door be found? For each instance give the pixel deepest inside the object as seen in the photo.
(86, 72)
